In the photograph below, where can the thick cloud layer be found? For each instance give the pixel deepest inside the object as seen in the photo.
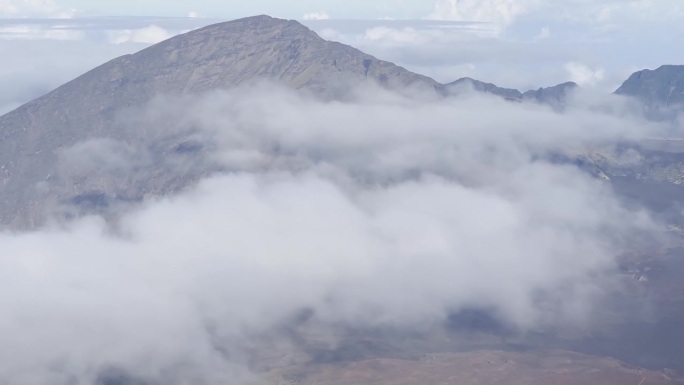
(380, 212)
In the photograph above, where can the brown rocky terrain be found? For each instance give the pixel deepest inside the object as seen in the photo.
(553, 367)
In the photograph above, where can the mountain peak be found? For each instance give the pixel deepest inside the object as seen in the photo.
(257, 24)
(219, 56)
(663, 86)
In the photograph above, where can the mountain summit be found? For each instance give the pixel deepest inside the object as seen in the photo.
(256, 48)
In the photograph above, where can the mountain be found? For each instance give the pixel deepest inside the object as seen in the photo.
(479, 86)
(661, 87)
(554, 96)
(550, 95)
(218, 56)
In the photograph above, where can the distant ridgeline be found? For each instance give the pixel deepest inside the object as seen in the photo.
(554, 96)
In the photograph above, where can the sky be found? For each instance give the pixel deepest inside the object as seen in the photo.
(504, 11)
(524, 44)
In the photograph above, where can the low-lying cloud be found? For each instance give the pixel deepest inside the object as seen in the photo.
(380, 212)
(152, 34)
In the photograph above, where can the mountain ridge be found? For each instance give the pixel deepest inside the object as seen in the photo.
(554, 95)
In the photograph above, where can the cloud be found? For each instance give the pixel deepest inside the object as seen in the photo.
(506, 12)
(500, 12)
(583, 74)
(379, 212)
(544, 33)
(316, 16)
(149, 35)
(14, 7)
(619, 12)
(37, 32)
(406, 35)
(34, 8)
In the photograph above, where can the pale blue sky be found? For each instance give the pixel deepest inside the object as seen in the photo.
(504, 11)
(232, 8)
(525, 44)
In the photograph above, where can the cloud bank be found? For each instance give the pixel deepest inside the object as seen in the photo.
(380, 212)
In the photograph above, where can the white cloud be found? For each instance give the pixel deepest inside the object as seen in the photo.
(38, 32)
(501, 12)
(320, 15)
(14, 7)
(598, 13)
(583, 74)
(544, 33)
(400, 36)
(148, 35)
(22, 8)
(612, 12)
(382, 211)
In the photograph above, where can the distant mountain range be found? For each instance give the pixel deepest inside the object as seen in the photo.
(218, 56)
(555, 95)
